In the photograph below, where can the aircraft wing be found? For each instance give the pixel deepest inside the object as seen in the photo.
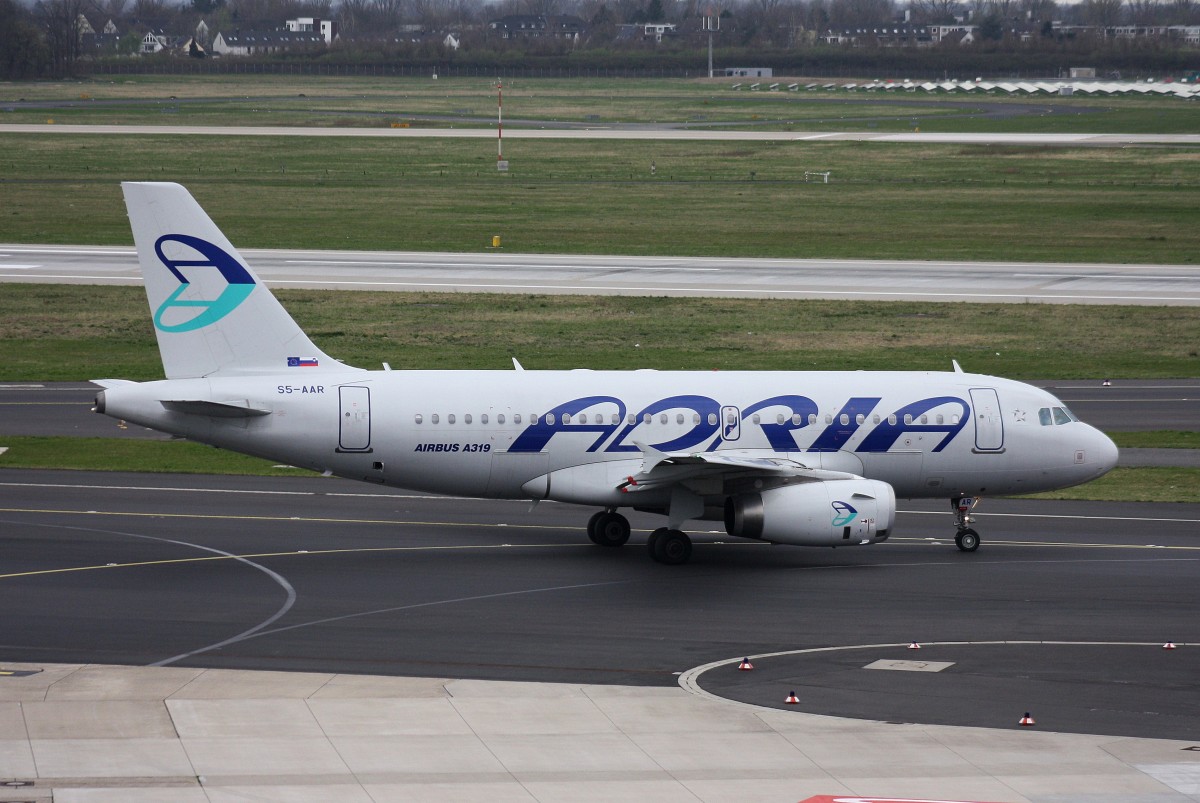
(663, 468)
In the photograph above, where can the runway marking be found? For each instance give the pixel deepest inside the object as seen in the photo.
(289, 590)
(689, 679)
(506, 525)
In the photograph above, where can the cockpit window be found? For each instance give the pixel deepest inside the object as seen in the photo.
(1044, 417)
(1061, 416)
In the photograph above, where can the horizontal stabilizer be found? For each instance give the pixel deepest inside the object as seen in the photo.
(237, 408)
(112, 383)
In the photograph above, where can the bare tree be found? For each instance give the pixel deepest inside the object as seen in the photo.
(1145, 12)
(59, 21)
(1102, 13)
(935, 11)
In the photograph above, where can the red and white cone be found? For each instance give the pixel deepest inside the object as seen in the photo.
(1170, 645)
(1026, 720)
(792, 699)
(914, 646)
(745, 665)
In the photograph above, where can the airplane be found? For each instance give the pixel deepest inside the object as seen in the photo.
(813, 458)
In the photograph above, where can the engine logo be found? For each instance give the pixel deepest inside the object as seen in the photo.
(843, 514)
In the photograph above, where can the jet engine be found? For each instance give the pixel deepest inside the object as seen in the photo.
(827, 513)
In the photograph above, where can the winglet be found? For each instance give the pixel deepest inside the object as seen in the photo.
(516, 365)
(957, 368)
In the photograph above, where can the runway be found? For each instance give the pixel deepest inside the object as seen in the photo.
(502, 272)
(600, 131)
(315, 574)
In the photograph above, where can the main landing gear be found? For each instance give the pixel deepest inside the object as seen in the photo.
(609, 528)
(966, 539)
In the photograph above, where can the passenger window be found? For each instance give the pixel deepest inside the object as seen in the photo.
(583, 418)
(731, 419)
(695, 418)
(450, 418)
(828, 418)
(550, 418)
(892, 420)
(858, 419)
(483, 418)
(940, 418)
(954, 418)
(756, 419)
(875, 418)
(499, 418)
(679, 418)
(662, 418)
(434, 418)
(533, 418)
(418, 418)
(616, 418)
(907, 419)
(779, 418)
(1060, 416)
(796, 419)
(812, 419)
(647, 418)
(924, 419)
(467, 418)
(712, 419)
(1044, 417)
(566, 419)
(516, 418)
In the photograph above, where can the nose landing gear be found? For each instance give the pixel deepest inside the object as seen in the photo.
(966, 539)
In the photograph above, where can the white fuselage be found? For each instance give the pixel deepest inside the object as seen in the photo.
(574, 435)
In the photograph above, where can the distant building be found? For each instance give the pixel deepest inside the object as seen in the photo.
(646, 31)
(260, 43)
(749, 72)
(154, 42)
(537, 26)
(327, 28)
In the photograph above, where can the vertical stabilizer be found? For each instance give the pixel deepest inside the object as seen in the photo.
(212, 315)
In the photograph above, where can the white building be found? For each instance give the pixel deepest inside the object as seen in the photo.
(328, 29)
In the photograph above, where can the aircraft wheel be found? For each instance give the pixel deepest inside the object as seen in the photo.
(611, 529)
(652, 541)
(591, 526)
(967, 540)
(672, 547)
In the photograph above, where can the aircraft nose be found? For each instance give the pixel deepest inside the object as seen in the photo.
(1103, 452)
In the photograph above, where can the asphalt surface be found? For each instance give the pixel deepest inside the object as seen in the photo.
(319, 574)
(497, 271)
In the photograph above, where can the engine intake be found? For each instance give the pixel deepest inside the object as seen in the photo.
(829, 513)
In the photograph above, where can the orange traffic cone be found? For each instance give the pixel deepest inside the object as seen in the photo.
(1170, 645)
(792, 699)
(745, 665)
(914, 646)
(1026, 720)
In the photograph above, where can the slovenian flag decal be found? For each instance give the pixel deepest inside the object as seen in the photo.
(302, 362)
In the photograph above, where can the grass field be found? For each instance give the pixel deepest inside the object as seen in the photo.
(70, 332)
(737, 199)
(380, 101)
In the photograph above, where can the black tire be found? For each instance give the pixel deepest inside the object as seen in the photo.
(611, 530)
(652, 541)
(591, 526)
(967, 540)
(673, 548)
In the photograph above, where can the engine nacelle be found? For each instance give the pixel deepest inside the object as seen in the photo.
(830, 513)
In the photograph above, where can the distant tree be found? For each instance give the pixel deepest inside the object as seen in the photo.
(1184, 12)
(1102, 13)
(23, 51)
(1146, 12)
(59, 21)
(934, 12)
(205, 7)
(991, 27)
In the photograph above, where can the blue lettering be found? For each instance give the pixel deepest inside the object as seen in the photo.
(886, 434)
(780, 435)
(700, 432)
(836, 434)
(535, 437)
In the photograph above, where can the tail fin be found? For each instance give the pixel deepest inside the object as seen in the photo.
(212, 315)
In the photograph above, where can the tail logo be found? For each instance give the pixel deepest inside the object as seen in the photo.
(843, 514)
(186, 314)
